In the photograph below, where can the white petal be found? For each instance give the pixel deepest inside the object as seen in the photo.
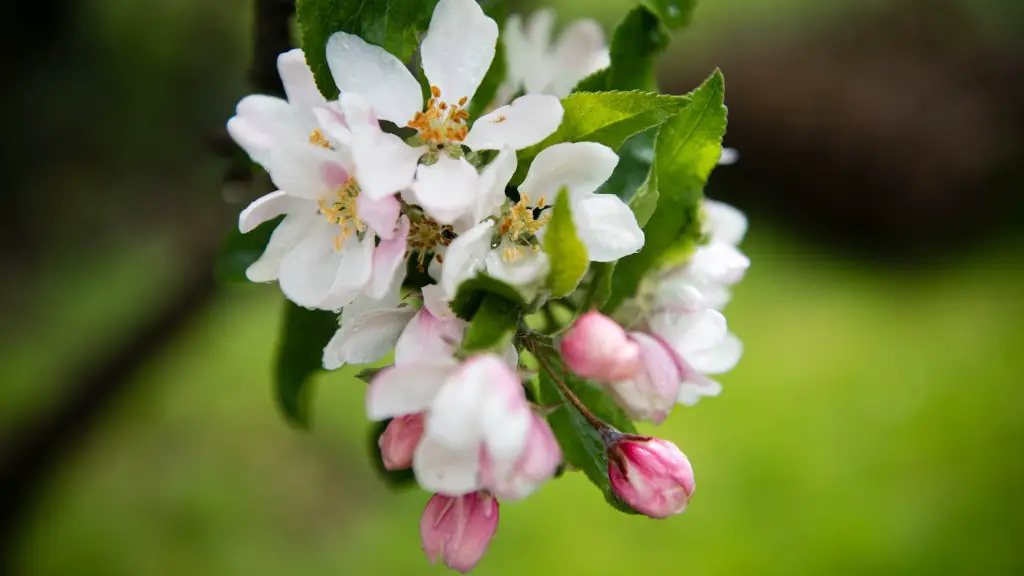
(288, 234)
(268, 207)
(693, 332)
(385, 164)
(526, 271)
(607, 227)
(539, 27)
(435, 302)
(525, 122)
(362, 68)
(304, 170)
(307, 272)
(407, 389)
(465, 257)
(505, 412)
(440, 469)
(447, 189)
(579, 53)
(367, 338)
(728, 156)
(719, 262)
(579, 166)
(458, 48)
(364, 304)
(458, 414)
(354, 273)
(718, 359)
(725, 222)
(381, 215)
(493, 180)
(331, 119)
(691, 392)
(297, 79)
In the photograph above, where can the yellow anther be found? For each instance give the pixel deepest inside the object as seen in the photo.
(441, 122)
(435, 91)
(317, 139)
(343, 211)
(501, 118)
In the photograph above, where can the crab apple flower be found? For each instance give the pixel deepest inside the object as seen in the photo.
(597, 347)
(718, 264)
(473, 408)
(537, 464)
(457, 530)
(370, 329)
(651, 475)
(537, 66)
(506, 243)
(399, 441)
(455, 54)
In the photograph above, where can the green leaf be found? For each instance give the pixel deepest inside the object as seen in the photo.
(391, 24)
(596, 82)
(635, 158)
(471, 295)
(582, 446)
(645, 201)
(493, 325)
(599, 287)
(566, 253)
(636, 42)
(608, 118)
(239, 251)
(673, 13)
(685, 152)
(304, 334)
(394, 479)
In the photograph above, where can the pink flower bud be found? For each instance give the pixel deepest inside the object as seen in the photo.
(597, 347)
(651, 475)
(536, 465)
(457, 530)
(399, 441)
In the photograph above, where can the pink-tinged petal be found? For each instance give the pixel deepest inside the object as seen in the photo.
(366, 338)
(505, 413)
(297, 79)
(385, 164)
(537, 464)
(447, 189)
(607, 227)
(268, 207)
(596, 347)
(580, 52)
(332, 122)
(458, 530)
(381, 215)
(388, 261)
(651, 475)
(435, 302)
(428, 337)
(579, 166)
(718, 359)
(465, 257)
(288, 234)
(371, 71)
(652, 391)
(525, 122)
(407, 389)
(299, 169)
(399, 441)
(445, 470)
(458, 48)
(334, 175)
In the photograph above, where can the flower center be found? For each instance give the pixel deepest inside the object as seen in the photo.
(518, 228)
(344, 212)
(317, 138)
(441, 122)
(425, 235)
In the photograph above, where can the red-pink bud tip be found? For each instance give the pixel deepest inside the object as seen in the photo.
(597, 347)
(651, 475)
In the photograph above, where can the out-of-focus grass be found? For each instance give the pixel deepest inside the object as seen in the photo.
(872, 425)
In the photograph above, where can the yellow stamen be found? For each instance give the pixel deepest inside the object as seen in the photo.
(344, 211)
(519, 227)
(441, 122)
(317, 139)
(425, 236)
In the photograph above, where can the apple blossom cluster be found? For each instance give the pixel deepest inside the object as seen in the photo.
(468, 262)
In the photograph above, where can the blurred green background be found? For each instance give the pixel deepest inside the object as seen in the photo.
(874, 424)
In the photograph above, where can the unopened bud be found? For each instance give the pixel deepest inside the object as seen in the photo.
(399, 440)
(651, 475)
(457, 530)
(597, 347)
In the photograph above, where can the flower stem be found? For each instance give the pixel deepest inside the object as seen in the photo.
(594, 421)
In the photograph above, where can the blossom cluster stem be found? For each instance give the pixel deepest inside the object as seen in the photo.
(593, 420)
